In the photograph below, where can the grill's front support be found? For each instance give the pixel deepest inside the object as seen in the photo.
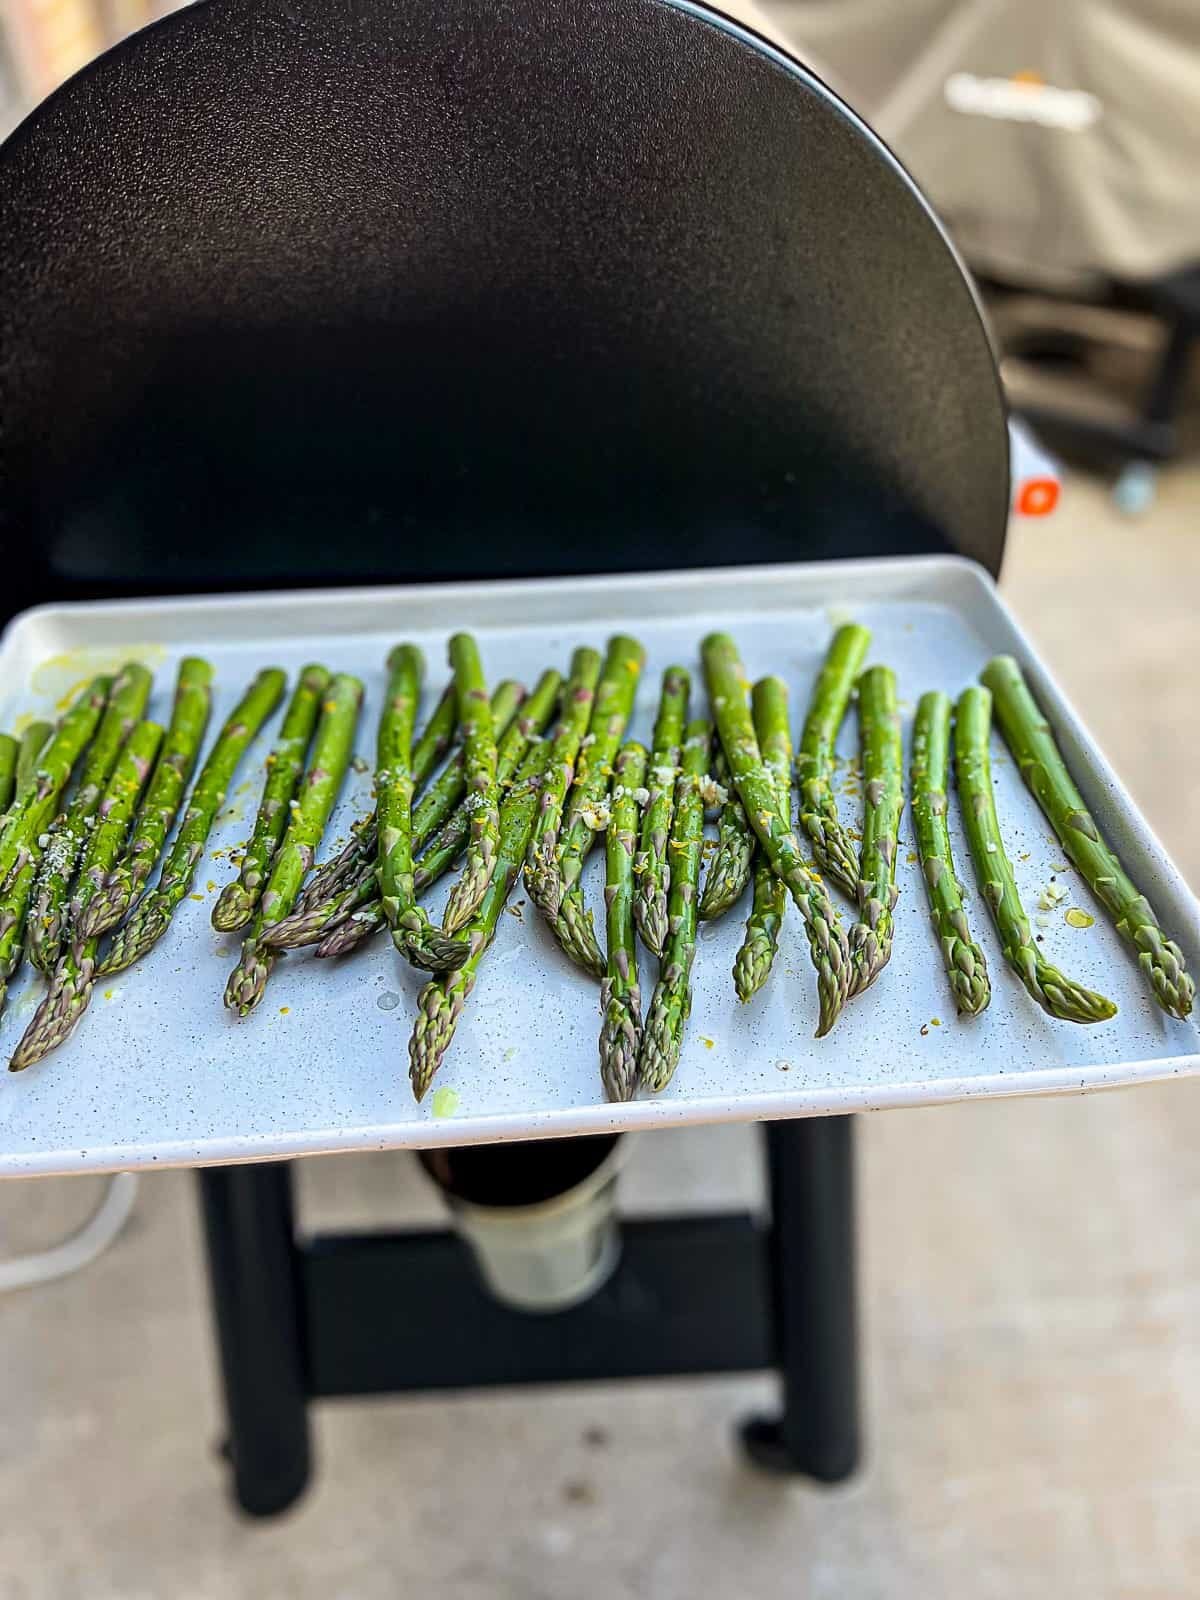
(383, 1312)
(252, 1267)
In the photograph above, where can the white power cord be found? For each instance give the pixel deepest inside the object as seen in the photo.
(97, 1233)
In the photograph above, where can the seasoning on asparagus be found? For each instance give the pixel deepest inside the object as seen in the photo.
(832, 845)
(333, 746)
(156, 816)
(541, 869)
(126, 703)
(412, 932)
(755, 958)
(483, 787)
(620, 996)
(238, 900)
(33, 741)
(1057, 994)
(10, 751)
(441, 1001)
(652, 869)
(757, 786)
(350, 878)
(671, 1002)
(1031, 740)
(731, 862)
(74, 975)
(28, 819)
(441, 849)
(883, 802)
(152, 916)
(587, 812)
(22, 833)
(966, 966)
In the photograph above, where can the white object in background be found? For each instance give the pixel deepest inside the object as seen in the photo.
(82, 1248)
(551, 1255)
(1035, 475)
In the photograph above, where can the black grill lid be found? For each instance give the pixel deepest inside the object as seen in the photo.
(324, 290)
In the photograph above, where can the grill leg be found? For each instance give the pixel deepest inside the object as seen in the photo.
(811, 1162)
(248, 1230)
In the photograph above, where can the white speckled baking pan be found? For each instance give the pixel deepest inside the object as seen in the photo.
(161, 1073)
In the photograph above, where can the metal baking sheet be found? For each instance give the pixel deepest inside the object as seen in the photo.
(159, 1073)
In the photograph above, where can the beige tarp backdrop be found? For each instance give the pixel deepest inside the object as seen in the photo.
(1060, 139)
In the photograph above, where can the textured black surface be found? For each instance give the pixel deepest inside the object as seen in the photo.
(308, 290)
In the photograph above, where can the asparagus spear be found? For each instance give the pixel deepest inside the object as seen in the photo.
(127, 701)
(483, 788)
(33, 741)
(832, 845)
(356, 882)
(412, 932)
(360, 923)
(541, 869)
(333, 745)
(153, 914)
(237, 901)
(22, 835)
(620, 996)
(652, 869)
(883, 796)
(573, 927)
(671, 1003)
(320, 902)
(757, 786)
(441, 1001)
(1053, 991)
(28, 818)
(730, 866)
(1032, 742)
(965, 964)
(156, 815)
(74, 976)
(753, 962)
(9, 753)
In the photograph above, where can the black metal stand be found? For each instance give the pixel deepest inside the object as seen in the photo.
(301, 1320)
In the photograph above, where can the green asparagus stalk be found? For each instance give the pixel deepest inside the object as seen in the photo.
(965, 964)
(238, 900)
(74, 977)
(755, 958)
(541, 869)
(758, 788)
(652, 869)
(21, 838)
(332, 748)
(47, 915)
(671, 1003)
(883, 801)
(10, 751)
(321, 903)
(832, 845)
(730, 867)
(620, 996)
(412, 932)
(483, 788)
(1031, 740)
(356, 881)
(573, 927)
(153, 914)
(26, 822)
(1053, 991)
(441, 1001)
(33, 741)
(156, 816)
(361, 923)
